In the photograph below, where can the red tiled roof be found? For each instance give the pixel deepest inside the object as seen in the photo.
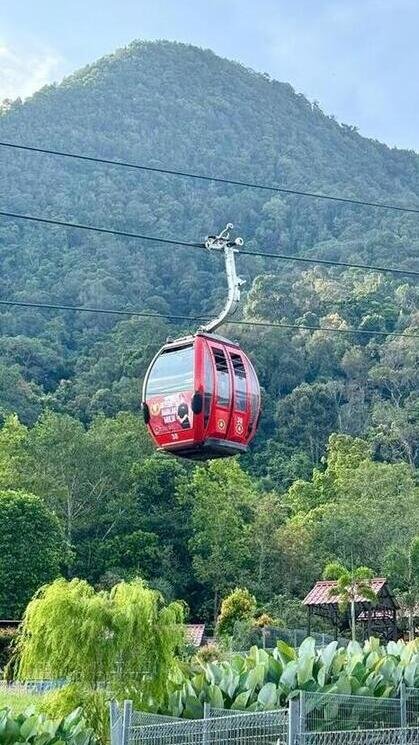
(195, 633)
(320, 593)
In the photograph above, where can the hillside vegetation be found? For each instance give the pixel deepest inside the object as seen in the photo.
(345, 405)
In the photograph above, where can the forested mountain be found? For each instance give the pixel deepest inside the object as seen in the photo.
(74, 379)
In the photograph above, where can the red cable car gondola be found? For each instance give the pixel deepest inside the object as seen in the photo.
(201, 396)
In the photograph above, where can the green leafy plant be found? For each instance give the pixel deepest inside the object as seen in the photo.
(31, 538)
(266, 680)
(38, 729)
(94, 704)
(209, 653)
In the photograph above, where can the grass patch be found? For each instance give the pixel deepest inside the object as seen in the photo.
(18, 701)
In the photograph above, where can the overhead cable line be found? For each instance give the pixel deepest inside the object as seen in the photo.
(108, 231)
(172, 317)
(216, 179)
(190, 244)
(332, 262)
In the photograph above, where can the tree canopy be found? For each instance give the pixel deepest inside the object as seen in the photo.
(32, 549)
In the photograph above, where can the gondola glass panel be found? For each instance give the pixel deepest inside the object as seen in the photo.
(172, 372)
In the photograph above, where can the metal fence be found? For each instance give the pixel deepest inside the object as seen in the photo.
(253, 728)
(32, 686)
(412, 707)
(238, 728)
(311, 719)
(214, 712)
(144, 718)
(268, 636)
(325, 712)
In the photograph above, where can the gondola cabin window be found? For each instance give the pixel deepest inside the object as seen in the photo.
(172, 372)
(240, 388)
(223, 378)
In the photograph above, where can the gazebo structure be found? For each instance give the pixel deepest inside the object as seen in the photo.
(378, 618)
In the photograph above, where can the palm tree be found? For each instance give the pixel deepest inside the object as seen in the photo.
(350, 584)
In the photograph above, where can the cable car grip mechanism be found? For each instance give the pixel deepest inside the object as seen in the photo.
(222, 242)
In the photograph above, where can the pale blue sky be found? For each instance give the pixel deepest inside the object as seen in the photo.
(358, 58)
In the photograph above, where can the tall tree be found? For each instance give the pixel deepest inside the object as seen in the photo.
(13, 435)
(222, 499)
(32, 548)
(402, 564)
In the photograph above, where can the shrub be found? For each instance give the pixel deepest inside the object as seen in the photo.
(240, 605)
(208, 653)
(266, 620)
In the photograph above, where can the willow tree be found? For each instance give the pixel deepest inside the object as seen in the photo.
(125, 639)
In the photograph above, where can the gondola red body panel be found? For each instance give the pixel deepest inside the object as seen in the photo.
(201, 398)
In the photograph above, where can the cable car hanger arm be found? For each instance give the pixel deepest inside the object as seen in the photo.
(223, 243)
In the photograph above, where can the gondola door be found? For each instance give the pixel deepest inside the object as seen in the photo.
(219, 420)
(240, 415)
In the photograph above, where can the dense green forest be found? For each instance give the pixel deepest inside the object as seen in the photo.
(333, 470)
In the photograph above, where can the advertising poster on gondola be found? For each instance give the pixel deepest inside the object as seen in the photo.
(172, 413)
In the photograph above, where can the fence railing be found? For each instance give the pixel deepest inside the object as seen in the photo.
(144, 718)
(253, 728)
(271, 635)
(214, 712)
(386, 736)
